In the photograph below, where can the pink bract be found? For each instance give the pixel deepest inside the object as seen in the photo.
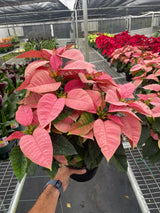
(24, 115)
(41, 143)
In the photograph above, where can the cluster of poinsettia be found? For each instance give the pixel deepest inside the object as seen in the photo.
(141, 64)
(145, 69)
(109, 44)
(99, 108)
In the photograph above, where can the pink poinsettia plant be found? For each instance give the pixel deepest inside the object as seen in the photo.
(73, 114)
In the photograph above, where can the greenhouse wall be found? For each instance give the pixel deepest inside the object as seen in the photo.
(61, 29)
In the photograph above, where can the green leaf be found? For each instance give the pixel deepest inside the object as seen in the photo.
(83, 125)
(120, 159)
(156, 125)
(54, 171)
(93, 155)
(150, 150)
(19, 162)
(155, 158)
(145, 134)
(31, 167)
(61, 146)
(64, 114)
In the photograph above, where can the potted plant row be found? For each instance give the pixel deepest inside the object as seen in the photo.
(11, 76)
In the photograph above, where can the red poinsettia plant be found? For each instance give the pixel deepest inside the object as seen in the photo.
(72, 114)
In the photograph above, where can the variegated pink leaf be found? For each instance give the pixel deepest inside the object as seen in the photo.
(14, 135)
(115, 119)
(75, 115)
(46, 54)
(42, 82)
(31, 100)
(132, 129)
(33, 66)
(84, 79)
(107, 135)
(73, 84)
(144, 97)
(105, 79)
(73, 54)
(126, 90)
(61, 159)
(155, 101)
(24, 115)
(83, 126)
(49, 107)
(78, 65)
(137, 82)
(112, 97)
(80, 100)
(141, 108)
(64, 125)
(155, 87)
(89, 135)
(30, 54)
(56, 62)
(38, 148)
(122, 109)
(156, 111)
(69, 73)
(35, 120)
(153, 77)
(96, 98)
(136, 67)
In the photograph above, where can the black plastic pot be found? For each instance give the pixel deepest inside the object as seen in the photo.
(84, 177)
(128, 77)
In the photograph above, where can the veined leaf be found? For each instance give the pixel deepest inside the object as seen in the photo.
(42, 82)
(41, 143)
(30, 54)
(49, 107)
(14, 135)
(122, 109)
(73, 84)
(19, 162)
(83, 125)
(64, 114)
(62, 146)
(78, 65)
(107, 134)
(56, 62)
(73, 54)
(112, 97)
(126, 90)
(24, 115)
(141, 108)
(31, 100)
(33, 66)
(155, 87)
(156, 111)
(132, 129)
(64, 125)
(80, 100)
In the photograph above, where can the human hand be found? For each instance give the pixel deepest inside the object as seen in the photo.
(64, 173)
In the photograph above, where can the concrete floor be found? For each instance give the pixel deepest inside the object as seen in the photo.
(108, 192)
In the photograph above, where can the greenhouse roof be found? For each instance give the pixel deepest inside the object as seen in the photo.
(31, 11)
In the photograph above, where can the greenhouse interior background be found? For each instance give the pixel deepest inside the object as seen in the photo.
(69, 22)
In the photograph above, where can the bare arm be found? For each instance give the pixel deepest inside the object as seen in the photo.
(47, 201)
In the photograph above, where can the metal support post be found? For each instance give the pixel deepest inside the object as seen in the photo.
(77, 35)
(85, 18)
